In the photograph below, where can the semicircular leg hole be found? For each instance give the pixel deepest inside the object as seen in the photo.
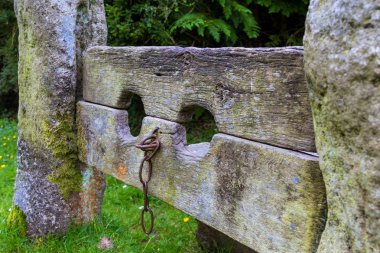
(202, 126)
(136, 114)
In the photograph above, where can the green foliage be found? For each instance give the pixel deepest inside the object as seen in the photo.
(285, 7)
(8, 55)
(210, 23)
(232, 16)
(8, 48)
(142, 22)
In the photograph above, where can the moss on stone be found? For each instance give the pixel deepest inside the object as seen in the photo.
(41, 124)
(61, 140)
(17, 220)
(57, 136)
(68, 178)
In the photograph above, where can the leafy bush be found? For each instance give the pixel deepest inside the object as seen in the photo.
(8, 55)
(206, 23)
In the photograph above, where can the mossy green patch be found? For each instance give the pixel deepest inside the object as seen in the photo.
(17, 220)
(42, 125)
(61, 139)
(68, 178)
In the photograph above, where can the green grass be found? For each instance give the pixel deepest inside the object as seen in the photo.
(119, 219)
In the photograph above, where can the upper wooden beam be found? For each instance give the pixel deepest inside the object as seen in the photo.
(255, 93)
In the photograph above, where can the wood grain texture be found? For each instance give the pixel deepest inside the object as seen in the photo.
(255, 93)
(268, 198)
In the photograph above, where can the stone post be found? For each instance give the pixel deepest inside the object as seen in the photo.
(342, 64)
(53, 36)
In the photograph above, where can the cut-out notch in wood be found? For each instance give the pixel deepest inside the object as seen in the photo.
(265, 196)
(255, 93)
(268, 198)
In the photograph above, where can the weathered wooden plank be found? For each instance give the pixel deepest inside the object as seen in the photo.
(268, 198)
(254, 93)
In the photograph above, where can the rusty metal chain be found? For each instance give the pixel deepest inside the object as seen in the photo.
(150, 144)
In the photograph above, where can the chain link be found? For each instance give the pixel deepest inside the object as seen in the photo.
(149, 145)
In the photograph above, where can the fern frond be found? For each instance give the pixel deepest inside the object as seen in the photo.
(216, 27)
(251, 27)
(227, 8)
(284, 7)
(222, 3)
(214, 32)
(190, 21)
(241, 8)
(221, 25)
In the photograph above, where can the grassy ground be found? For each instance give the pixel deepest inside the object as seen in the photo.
(119, 219)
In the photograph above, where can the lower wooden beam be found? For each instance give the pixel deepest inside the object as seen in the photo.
(267, 198)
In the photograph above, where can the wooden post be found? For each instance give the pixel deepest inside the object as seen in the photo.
(342, 57)
(53, 36)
